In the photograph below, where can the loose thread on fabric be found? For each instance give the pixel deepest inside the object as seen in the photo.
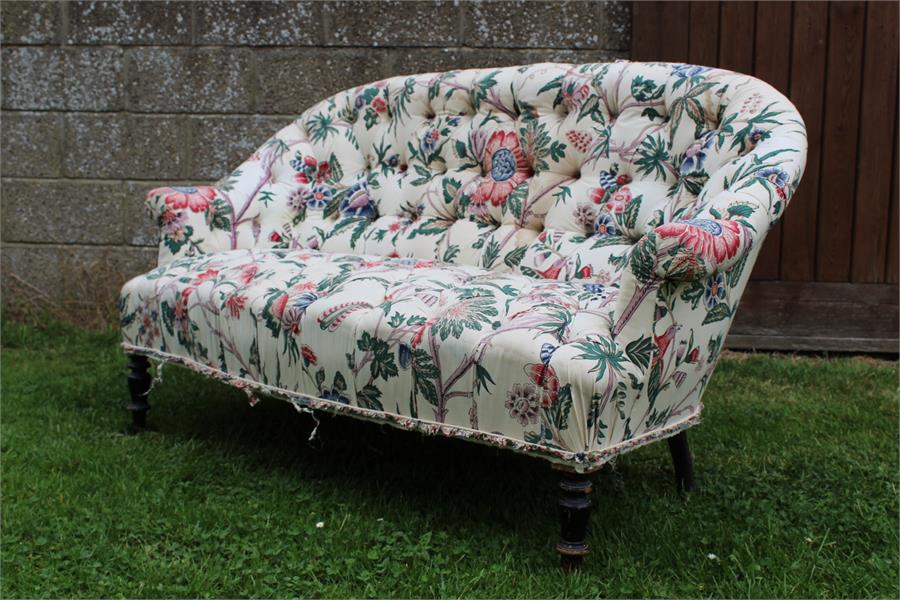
(314, 433)
(157, 377)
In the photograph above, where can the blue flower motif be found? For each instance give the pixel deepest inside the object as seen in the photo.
(688, 70)
(503, 164)
(357, 202)
(302, 301)
(320, 197)
(707, 225)
(185, 190)
(715, 290)
(604, 225)
(453, 121)
(774, 175)
(358, 103)
(429, 141)
(334, 396)
(758, 135)
(405, 356)
(594, 288)
(407, 262)
(547, 351)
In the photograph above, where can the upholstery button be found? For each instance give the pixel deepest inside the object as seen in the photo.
(404, 167)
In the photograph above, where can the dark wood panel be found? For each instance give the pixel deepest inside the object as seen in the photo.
(771, 63)
(892, 266)
(876, 143)
(864, 316)
(798, 245)
(809, 343)
(736, 28)
(662, 34)
(703, 44)
(846, 28)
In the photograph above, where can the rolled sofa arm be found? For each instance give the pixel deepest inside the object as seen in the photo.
(191, 219)
(690, 250)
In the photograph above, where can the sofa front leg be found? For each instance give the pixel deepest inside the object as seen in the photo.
(574, 515)
(139, 381)
(683, 462)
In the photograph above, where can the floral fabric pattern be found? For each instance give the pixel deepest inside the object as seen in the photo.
(548, 256)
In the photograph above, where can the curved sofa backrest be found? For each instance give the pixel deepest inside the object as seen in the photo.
(553, 170)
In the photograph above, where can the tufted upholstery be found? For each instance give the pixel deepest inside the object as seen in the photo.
(654, 182)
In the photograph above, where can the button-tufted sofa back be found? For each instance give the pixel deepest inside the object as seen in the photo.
(552, 170)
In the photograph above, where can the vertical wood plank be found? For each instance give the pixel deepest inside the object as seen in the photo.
(876, 143)
(646, 30)
(771, 63)
(703, 43)
(892, 267)
(660, 31)
(674, 43)
(808, 50)
(839, 140)
(736, 28)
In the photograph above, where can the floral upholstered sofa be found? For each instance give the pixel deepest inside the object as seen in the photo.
(545, 258)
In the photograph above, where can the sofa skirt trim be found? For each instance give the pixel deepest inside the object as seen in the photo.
(580, 462)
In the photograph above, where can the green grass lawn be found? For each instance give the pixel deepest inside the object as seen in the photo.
(797, 462)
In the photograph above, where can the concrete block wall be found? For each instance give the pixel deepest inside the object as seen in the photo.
(102, 101)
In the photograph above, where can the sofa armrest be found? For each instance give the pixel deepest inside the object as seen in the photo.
(690, 250)
(191, 220)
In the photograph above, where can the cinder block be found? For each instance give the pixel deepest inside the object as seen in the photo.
(291, 80)
(30, 144)
(259, 23)
(62, 78)
(533, 24)
(189, 80)
(29, 22)
(616, 33)
(60, 211)
(140, 227)
(124, 146)
(393, 23)
(127, 23)
(219, 144)
(31, 277)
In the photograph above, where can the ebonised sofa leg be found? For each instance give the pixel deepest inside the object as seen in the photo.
(684, 464)
(574, 515)
(139, 381)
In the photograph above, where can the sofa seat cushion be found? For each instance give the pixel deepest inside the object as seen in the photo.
(452, 344)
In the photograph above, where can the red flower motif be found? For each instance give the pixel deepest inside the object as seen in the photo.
(207, 274)
(278, 306)
(197, 199)
(623, 179)
(235, 304)
(248, 272)
(619, 200)
(586, 271)
(506, 168)
(694, 355)
(597, 195)
(309, 357)
(712, 240)
(275, 237)
(379, 105)
(544, 377)
(324, 172)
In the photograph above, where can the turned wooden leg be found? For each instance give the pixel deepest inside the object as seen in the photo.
(139, 387)
(574, 514)
(684, 464)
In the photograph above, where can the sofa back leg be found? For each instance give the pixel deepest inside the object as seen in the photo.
(574, 515)
(683, 462)
(139, 381)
